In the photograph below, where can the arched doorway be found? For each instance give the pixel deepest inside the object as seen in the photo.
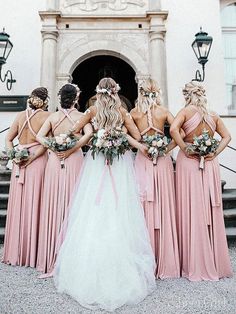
(88, 73)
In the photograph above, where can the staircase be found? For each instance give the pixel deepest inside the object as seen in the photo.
(229, 205)
(4, 190)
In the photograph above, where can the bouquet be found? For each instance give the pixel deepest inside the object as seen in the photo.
(203, 145)
(157, 145)
(19, 155)
(60, 143)
(111, 143)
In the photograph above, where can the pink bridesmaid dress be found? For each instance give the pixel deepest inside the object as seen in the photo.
(201, 231)
(22, 225)
(157, 192)
(59, 184)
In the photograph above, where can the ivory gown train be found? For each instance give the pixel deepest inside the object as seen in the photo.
(58, 188)
(202, 239)
(22, 225)
(106, 259)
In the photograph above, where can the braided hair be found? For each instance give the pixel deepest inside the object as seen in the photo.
(68, 95)
(38, 98)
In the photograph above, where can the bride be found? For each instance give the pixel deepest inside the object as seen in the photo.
(106, 259)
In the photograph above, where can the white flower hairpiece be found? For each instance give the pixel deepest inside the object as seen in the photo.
(108, 91)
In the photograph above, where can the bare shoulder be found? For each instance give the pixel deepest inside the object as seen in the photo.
(214, 116)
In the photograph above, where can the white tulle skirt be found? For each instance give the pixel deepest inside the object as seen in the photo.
(106, 259)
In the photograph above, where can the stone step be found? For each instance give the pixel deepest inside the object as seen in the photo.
(3, 200)
(230, 217)
(2, 232)
(4, 187)
(5, 175)
(231, 233)
(229, 198)
(3, 216)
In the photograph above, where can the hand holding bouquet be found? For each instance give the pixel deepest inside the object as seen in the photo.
(18, 155)
(61, 143)
(111, 143)
(157, 145)
(203, 145)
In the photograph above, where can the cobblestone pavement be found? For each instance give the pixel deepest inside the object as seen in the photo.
(22, 292)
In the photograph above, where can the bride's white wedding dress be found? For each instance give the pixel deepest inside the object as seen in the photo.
(106, 259)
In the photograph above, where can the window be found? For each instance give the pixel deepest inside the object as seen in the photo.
(228, 21)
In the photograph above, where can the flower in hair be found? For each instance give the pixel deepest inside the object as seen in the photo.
(108, 91)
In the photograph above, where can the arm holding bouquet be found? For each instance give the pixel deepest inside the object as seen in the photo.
(225, 139)
(178, 134)
(83, 140)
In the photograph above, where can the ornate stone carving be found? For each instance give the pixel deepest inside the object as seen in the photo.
(94, 5)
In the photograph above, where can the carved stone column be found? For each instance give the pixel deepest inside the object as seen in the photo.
(157, 51)
(49, 55)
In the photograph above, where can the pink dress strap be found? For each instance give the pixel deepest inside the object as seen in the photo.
(150, 124)
(66, 114)
(190, 125)
(27, 121)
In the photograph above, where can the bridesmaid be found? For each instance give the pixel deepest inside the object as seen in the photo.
(156, 182)
(202, 240)
(21, 237)
(59, 183)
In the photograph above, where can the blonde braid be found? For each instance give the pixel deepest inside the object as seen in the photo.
(149, 96)
(195, 95)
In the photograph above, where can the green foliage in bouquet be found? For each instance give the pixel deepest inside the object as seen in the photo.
(111, 143)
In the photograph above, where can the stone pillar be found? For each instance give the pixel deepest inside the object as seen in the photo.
(49, 55)
(157, 52)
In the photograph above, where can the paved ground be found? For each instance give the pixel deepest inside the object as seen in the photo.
(21, 292)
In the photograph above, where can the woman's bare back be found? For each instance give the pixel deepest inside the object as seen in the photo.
(159, 117)
(36, 121)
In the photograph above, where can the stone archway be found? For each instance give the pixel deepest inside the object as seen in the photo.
(88, 73)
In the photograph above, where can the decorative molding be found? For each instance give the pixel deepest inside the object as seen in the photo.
(93, 5)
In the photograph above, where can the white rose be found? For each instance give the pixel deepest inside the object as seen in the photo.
(100, 133)
(160, 143)
(64, 136)
(59, 140)
(208, 142)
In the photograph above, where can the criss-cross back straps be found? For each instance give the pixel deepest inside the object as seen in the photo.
(150, 123)
(27, 121)
(66, 114)
(190, 125)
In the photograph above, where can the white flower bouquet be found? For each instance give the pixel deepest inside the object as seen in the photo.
(60, 143)
(157, 145)
(203, 145)
(111, 143)
(18, 155)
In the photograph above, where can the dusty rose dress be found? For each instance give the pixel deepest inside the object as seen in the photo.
(157, 192)
(22, 225)
(58, 188)
(202, 240)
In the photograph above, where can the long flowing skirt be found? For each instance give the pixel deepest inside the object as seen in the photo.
(157, 192)
(106, 259)
(58, 188)
(22, 225)
(202, 239)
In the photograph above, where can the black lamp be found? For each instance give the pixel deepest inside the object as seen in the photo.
(5, 49)
(201, 47)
